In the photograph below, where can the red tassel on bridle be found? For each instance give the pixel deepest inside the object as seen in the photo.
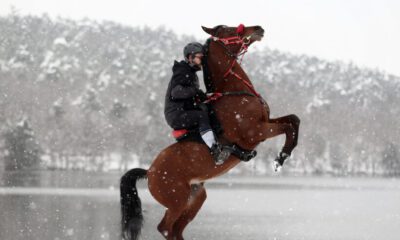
(240, 29)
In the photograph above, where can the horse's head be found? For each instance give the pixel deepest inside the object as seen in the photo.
(247, 34)
(228, 43)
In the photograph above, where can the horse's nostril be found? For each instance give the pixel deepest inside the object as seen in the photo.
(260, 31)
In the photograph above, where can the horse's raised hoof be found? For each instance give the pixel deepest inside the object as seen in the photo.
(276, 166)
(279, 160)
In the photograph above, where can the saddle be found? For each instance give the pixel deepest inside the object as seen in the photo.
(179, 134)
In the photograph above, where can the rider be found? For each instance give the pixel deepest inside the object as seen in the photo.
(184, 107)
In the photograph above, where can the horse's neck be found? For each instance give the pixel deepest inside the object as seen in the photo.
(230, 83)
(218, 62)
(218, 65)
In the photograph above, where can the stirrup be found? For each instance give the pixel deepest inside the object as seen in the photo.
(221, 155)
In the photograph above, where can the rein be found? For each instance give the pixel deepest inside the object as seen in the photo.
(217, 95)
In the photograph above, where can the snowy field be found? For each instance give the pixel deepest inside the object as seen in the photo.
(273, 208)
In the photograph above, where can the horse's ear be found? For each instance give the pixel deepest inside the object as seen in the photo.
(210, 31)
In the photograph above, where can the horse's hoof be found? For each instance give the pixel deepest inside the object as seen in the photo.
(276, 166)
(279, 160)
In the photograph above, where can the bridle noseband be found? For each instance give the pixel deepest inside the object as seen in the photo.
(239, 39)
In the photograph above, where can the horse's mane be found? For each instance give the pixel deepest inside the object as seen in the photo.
(206, 70)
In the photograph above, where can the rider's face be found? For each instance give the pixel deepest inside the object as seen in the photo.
(196, 59)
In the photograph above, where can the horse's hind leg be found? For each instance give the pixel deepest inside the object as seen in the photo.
(175, 200)
(162, 228)
(197, 197)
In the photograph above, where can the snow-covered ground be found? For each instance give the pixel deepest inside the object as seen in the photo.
(246, 208)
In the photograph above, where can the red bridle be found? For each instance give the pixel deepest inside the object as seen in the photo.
(243, 42)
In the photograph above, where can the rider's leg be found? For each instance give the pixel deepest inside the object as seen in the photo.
(205, 129)
(208, 137)
(219, 153)
(200, 119)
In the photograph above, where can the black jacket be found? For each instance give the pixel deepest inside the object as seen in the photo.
(182, 90)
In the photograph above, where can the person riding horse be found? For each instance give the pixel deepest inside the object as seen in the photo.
(177, 175)
(184, 107)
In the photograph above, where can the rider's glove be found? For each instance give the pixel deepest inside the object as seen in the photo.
(201, 95)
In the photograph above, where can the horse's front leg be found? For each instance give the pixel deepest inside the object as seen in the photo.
(288, 125)
(292, 132)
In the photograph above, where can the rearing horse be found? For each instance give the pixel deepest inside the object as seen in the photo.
(177, 175)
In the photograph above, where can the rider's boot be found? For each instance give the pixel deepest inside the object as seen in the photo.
(219, 153)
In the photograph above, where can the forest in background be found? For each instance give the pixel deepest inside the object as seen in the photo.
(86, 94)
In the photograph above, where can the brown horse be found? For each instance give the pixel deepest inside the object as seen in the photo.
(177, 175)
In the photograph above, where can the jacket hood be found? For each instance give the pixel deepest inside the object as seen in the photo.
(182, 66)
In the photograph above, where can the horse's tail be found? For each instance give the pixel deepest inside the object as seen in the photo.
(131, 207)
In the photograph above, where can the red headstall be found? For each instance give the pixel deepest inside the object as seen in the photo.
(243, 43)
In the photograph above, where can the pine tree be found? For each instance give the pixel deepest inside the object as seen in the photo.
(21, 148)
(118, 118)
(391, 160)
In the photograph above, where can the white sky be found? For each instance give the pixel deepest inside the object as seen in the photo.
(366, 32)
